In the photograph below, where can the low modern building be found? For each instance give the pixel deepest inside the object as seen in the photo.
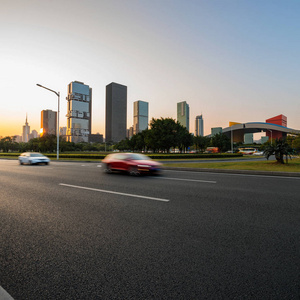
(248, 138)
(96, 138)
(237, 131)
(79, 116)
(216, 130)
(264, 139)
(280, 120)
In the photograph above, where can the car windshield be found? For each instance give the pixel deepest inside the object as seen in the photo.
(139, 157)
(36, 155)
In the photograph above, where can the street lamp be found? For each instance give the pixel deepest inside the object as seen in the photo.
(271, 135)
(58, 95)
(231, 140)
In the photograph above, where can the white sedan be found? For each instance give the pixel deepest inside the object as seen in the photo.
(33, 158)
(258, 153)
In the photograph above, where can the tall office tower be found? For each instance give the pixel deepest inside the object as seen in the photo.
(116, 112)
(140, 116)
(26, 131)
(183, 114)
(48, 122)
(199, 126)
(79, 116)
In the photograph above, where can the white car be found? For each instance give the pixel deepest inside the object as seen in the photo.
(33, 158)
(258, 153)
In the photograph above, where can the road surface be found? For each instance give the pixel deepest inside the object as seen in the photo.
(69, 231)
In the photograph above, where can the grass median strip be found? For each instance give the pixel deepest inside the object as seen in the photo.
(272, 166)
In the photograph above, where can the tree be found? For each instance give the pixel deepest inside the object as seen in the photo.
(221, 141)
(201, 142)
(296, 144)
(279, 148)
(162, 134)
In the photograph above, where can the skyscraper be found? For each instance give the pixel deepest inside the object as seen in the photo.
(25, 132)
(199, 126)
(140, 116)
(48, 122)
(183, 114)
(116, 112)
(79, 116)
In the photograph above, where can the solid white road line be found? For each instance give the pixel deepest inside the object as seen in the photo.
(4, 295)
(235, 174)
(116, 193)
(183, 179)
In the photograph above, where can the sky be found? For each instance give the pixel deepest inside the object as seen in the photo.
(230, 60)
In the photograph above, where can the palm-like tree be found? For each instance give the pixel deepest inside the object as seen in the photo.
(280, 149)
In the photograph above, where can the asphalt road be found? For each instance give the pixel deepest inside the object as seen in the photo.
(69, 231)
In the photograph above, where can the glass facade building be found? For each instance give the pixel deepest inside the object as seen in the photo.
(199, 126)
(140, 116)
(183, 114)
(79, 116)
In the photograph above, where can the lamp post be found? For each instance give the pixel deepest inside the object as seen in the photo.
(58, 95)
(271, 135)
(231, 140)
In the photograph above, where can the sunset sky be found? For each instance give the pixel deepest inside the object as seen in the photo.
(231, 60)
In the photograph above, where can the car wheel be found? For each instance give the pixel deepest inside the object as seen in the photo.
(20, 162)
(133, 171)
(108, 169)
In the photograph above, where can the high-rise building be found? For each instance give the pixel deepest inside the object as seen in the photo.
(79, 116)
(32, 135)
(62, 131)
(48, 122)
(199, 126)
(183, 114)
(140, 116)
(116, 112)
(129, 132)
(25, 132)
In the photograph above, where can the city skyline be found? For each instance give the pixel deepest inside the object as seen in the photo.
(231, 61)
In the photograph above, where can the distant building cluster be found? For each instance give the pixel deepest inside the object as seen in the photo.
(79, 119)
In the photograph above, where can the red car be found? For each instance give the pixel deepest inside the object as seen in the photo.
(133, 163)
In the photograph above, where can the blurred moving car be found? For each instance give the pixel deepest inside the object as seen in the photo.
(258, 153)
(33, 158)
(133, 163)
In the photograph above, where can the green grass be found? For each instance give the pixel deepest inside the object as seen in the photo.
(272, 166)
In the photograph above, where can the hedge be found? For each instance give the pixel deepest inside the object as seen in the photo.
(153, 156)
